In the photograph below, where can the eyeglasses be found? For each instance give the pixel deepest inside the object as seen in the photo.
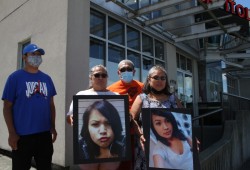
(126, 69)
(98, 75)
(159, 78)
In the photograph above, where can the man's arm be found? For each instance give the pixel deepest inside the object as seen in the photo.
(7, 113)
(53, 119)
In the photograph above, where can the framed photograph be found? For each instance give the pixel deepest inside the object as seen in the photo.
(169, 138)
(101, 128)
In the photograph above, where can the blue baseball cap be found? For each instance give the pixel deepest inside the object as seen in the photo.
(32, 48)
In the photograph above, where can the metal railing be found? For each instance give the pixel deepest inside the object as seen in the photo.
(225, 153)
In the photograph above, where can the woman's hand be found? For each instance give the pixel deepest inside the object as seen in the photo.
(142, 141)
(70, 120)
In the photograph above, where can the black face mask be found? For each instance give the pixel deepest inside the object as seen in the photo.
(153, 90)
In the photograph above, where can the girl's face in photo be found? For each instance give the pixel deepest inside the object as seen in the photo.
(100, 129)
(157, 80)
(162, 126)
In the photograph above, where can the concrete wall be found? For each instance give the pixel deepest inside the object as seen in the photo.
(77, 60)
(44, 23)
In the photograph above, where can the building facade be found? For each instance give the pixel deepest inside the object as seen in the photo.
(78, 34)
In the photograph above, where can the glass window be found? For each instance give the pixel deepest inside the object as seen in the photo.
(189, 65)
(183, 62)
(159, 50)
(97, 52)
(21, 63)
(135, 58)
(115, 55)
(213, 41)
(147, 45)
(116, 31)
(133, 38)
(159, 63)
(97, 24)
(147, 64)
(177, 60)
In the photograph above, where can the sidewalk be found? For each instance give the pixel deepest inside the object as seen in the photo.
(5, 163)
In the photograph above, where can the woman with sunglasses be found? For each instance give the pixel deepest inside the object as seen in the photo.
(156, 94)
(98, 83)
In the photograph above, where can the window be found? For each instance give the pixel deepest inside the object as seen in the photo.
(159, 50)
(147, 45)
(115, 55)
(184, 79)
(133, 38)
(97, 52)
(122, 42)
(20, 62)
(135, 58)
(97, 24)
(147, 64)
(116, 31)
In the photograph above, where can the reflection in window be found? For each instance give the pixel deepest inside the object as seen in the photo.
(189, 65)
(183, 62)
(97, 24)
(160, 63)
(159, 50)
(177, 60)
(135, 58)
(116, 31)
(97, 52)
(213, 41)
(185, 87)
(131, 3)
(147, 45)
(115, 55)
(147, 64)
(133, 38)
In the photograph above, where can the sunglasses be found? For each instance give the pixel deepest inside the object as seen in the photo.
(159, 78)
(98, 75)
(126, 69)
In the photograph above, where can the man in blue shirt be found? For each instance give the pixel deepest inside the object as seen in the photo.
(29, 113)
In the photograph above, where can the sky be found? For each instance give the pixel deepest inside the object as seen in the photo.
(245, 3)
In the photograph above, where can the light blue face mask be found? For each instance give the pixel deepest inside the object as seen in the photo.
(127, 76)
(35, 60)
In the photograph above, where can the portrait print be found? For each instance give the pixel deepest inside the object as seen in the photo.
(101, 128)
(168, 134)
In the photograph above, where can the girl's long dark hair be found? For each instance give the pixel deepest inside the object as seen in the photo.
(112, 115)
(170, 117)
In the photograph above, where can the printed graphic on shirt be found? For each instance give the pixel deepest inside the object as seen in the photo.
(36, 88)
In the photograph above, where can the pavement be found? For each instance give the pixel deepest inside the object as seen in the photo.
(5, 164)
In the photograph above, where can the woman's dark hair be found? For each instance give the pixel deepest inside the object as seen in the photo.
(112, 115)
(147, 89)
(170, 117)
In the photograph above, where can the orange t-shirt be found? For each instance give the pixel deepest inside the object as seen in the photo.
(131, 89)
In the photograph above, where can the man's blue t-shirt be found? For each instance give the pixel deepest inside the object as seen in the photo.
(30, 94)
